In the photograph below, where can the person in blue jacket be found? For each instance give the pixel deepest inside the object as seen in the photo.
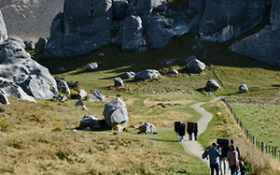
(214, 153)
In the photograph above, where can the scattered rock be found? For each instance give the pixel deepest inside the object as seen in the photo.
(147, 74)
(4, 99)
(118, 82)
(61, 69)
(101, 54)
(40, 45)
(29, 45)
(62, 98)
(79, 103)
(119, 8)
(96, 96)
(190, 59)
(89, 121)
(92, 66)
(85, 108)
(130, 74)
(63, 87)
(115, 113)
(212, 85)
(195, 66)
(143, 48)
(148, 128)
(173, 71)
(82, 94)
(243, 88)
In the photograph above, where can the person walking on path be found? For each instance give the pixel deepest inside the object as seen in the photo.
(233, 160)
(214, 153)
(237, 149)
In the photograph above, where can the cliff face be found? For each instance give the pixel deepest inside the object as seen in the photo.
(264, 45)
(30, 19)
(3, 30)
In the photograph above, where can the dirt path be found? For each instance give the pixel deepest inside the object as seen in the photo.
(193, 147)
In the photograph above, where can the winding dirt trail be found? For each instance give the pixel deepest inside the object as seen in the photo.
(193, 147)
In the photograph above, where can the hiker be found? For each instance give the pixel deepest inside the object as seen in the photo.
(190, 129)
(214, 153)
(223, 161)
(195, 130)
(243, 168)
(237, 149)
(233, 160)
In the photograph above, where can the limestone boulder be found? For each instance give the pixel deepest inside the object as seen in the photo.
(40, 45)
(147, 74)
(91, 122)
(190, 59)
(92, 66)
(4, 99)
(29, 45)
(243, 88)
(212, 85)
(173, 71)
(195, 66)
(130, 74)
(13, 47)
(9, 88)
(63, 87)
(146, 7)
(148, 128)
(118, 82)
(3, 30)
(96, 96)
(220, 21)
(82, 94)
(119, 8)
(115, 113)
(132, 33)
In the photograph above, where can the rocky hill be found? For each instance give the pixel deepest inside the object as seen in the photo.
(30, 19)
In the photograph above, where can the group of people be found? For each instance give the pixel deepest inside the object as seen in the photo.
(192, 128)
(236, 166)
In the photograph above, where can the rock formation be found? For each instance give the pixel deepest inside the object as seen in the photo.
(147, 74)
(3, 30)
(265, 44)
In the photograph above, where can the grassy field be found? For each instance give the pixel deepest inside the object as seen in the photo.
(38, 138)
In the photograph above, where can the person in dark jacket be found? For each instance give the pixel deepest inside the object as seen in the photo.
(237, 149)
(214, 153)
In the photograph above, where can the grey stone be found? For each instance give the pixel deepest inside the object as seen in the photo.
(9, 88)
(148, 128)
(33, 78)
(91, 122)
(115, 113)
(146, 7)
(119, 8)
(212, 85)
(132, 33)
(130, 74)
(222, 20)
(157, 34)
(101, 54)
(3, 30)
(79, 103)
(195, 66)
(82, 94)
(61, 69)
(264, 45)
(173, 71)
(4, 99)
(29, 45)
(190, 59)
(40, 45)
(63, 87)
(13, 47)
(118, 82)
(85, 28)
(92, 66)
(143, 48)
(243, 88)
(97, 96)
(85, 108)
(62, 98)
(54, 48)
(147, 74)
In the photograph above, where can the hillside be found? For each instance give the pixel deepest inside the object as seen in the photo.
(30, 19)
